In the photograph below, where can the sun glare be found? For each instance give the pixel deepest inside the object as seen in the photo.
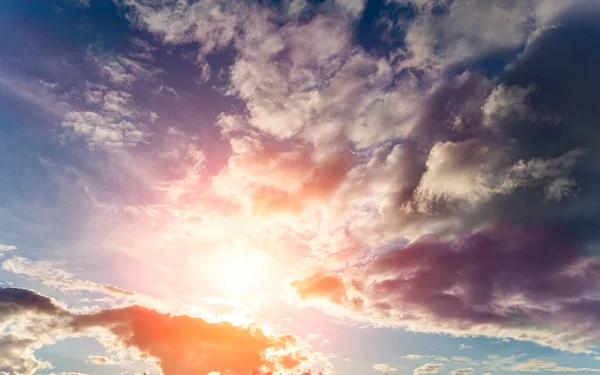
(241, 273)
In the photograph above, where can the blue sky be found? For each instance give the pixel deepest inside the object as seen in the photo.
(341, 186)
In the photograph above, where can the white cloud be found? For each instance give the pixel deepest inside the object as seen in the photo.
(536, 365)
(384, 367)
(471, 172)
(519, 364)
(505, 102)
(211, 23)
(462, 371)
(469, 29)
(5, 248)
(114, 122)
(17, 356)
(123, 71)
(458, 172)
(94, 93)
(428, 368)
(51, 276)
(100, 360)
(102, 132)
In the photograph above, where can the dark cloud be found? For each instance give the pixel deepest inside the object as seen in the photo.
(15, 301)
(501, 277)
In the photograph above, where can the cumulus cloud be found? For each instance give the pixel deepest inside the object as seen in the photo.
(428, 368)
(16, 356)
(384, 367)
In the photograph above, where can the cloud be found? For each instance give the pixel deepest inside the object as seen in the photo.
(186, 345)
(51, 276)
(504, 102)
(28, 90)
(428, 368)
(39, 317)
(112, 122)
(462, 167)
(16, 356)
(331, 94)
(468, 29)
(330, 287)
(81, 3)
(462, 371)
(421, 356)
(121, 70)
(399, 156)
(101, 132)
(100, 360)
(536, 365)
(477, 285)
(384, 368)
(4, 248)
(465, 346)
(182, 344)
(475, 172)
(15, 302)
(555, 171)
(516, 363)
(280, 181)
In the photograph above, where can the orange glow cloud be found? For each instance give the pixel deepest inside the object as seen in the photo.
(187, 345)
(320, 285)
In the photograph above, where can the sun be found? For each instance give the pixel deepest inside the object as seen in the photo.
(242, 273)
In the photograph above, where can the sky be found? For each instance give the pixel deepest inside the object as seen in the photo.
(345, 187)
